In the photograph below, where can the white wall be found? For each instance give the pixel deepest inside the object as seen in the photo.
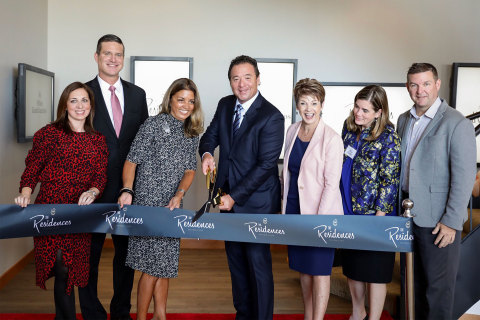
(23, 38)
(347, 40)
(334, 40)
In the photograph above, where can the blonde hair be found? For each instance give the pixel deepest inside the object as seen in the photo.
(377, 96)
(193, 125)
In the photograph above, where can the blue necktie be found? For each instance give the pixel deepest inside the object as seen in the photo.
(237, 118)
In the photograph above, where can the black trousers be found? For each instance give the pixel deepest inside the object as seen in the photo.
(120, 306)
(64, 303)
(435, 273)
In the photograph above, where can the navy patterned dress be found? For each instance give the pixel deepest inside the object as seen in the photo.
(374, 173)
(309, 260)
(369, 183)
(162, 154)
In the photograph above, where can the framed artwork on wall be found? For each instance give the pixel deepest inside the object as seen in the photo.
(465, 94)
(156, 74)
(339, 99)
(35, 107)
(277, 80)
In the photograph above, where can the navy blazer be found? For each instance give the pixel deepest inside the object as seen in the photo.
(249, 162)
(134, 114)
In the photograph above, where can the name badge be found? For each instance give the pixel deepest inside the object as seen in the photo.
(350, 152)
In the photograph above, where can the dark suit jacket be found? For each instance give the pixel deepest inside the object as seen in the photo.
(249, 162)
(135, 113)
(442, 168)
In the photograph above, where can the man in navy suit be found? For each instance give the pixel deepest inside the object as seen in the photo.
(120, 109)
(249, 132)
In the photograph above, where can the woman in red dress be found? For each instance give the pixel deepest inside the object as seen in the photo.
(69, 159)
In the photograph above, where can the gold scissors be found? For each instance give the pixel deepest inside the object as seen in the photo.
(212, 199)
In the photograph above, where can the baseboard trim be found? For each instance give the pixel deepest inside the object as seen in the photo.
(185, 244)
(201, 244)
(16, 268)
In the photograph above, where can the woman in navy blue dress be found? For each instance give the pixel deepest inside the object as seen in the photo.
(369, 185)
(311, 176)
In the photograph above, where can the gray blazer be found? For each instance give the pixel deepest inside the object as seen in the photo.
(442, 168)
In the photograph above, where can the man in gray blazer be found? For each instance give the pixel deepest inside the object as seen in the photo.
(438, 171)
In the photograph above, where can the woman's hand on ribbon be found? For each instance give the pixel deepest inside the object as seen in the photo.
(125, 199)
(23, 199)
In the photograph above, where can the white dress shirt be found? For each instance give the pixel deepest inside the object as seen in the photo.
(107, 95)
(246, 105)
(417, 126)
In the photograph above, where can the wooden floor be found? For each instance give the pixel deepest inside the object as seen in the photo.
(203, 286)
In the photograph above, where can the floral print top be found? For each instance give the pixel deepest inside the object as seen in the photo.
(375, 175)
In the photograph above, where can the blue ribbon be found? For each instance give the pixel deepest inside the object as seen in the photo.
(333, 231)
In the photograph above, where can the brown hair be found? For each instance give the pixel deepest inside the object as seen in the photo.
(377, 96)
(422, 67)
(62, 122)
(193, 125)
(108, 38)
(309, 87)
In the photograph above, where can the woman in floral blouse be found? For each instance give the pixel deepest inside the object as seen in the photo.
(369, 186)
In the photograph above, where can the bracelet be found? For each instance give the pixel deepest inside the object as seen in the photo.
(94, 194)
(182, 191)
(127, 190)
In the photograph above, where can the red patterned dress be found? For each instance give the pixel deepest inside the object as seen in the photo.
(66, 165)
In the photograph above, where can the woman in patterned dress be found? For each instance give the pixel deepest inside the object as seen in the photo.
(369, 185)
(69, 159)
(163, 155)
